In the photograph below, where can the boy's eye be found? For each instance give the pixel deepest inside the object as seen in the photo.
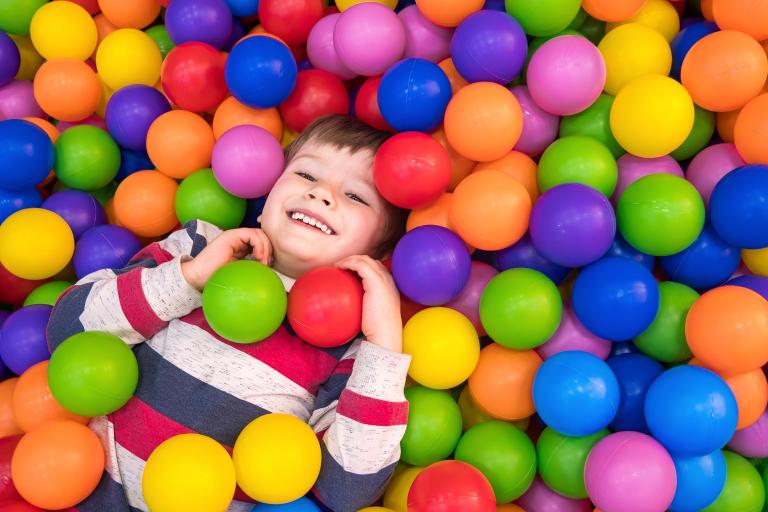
(357, 198)
(306, 176)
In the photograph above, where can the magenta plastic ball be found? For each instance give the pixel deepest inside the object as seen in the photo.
(468, 301)
(18, 100)
(566, 75)
(630, 472)
(424, 39)
(572, 335)
(753, 440)
(92, 120)
(321, 50)
(540, 498)
(540, 128)
(710, 165)
(247, 160)
(369, 38)
(632, 168)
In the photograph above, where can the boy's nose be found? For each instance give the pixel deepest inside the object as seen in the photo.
(322, 197)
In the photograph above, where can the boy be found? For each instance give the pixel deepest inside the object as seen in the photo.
(323, 210)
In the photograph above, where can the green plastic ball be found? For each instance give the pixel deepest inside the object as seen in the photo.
(660, 214)
(701, 133)
(93, 373)
(664, 340)
(201, 197)
(520, 308)
(87, 158)
(159, 35)
(16, 15)
(434, 426)
(578, 159)
(593, 29)
(244, 301)
(47, 293)
(504, 454)
(594, 122)
(561, 460)
(744, 490)
(543, 17)
(579, 20)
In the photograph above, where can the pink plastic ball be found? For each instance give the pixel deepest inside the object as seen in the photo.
(540, 128)
(540, 498)
(468, 301)
(17, 100)
(632, 168)
(753, 440)
(92, 120)
(369, 37)
(710, 165)
(247, 160)
(321, 51)
(566, 75)
(424, 39)
(630, 472)
(572, 335)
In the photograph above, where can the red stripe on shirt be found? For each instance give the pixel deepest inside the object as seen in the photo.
(153, 252)
(155, 429)
(372, 411)
(135, 306)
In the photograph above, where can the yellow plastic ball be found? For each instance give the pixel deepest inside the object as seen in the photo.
(35, 243)
(631, 51)
(396, 495)
(443, 345)
(756, 260)
(375, 509)
(30, 59)
(188, 473)
(652, 116)
(63, 30)
(343, 5)
(660, 15)
(277, 458)
(128, 56)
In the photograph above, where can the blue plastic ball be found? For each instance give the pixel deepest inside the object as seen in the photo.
(12, 201)
(300, 505)
(243, 7)
(635, 373)
(261, 72)
(621, 248)
(576, 393)
(26, 154)
(684, 40)
(738, 207)
(131, 162)
(691, 411)
(699, 481)
(616, 298)
(619, 348)
(413, 95)
(524, 254)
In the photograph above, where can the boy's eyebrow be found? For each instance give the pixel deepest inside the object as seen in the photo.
(307, 156)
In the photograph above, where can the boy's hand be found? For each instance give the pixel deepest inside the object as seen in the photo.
(382, 323)
(229, 246)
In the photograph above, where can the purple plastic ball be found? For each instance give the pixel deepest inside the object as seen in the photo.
(79, 209)
(321, 50)
(23, 342)
(540, 128)
(207, 21)
(540, 498)
(424, 39)
(4, 371)
(572, 225)
(632, 168)
(104, 247)
(17, 100)
(431, 265)
(572, 335)
(489, 46)
(524, 254)
(753, 440)
(9, 59)
(758, 284)
(130, 112)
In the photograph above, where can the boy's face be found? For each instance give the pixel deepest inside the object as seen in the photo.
(323, 208)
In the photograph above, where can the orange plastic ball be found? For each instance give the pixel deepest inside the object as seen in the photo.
(448, 13)
(706, 9)
(612, 10)
(457, 81)
(8, 425)
(104, 27)
(490, 210)
(483, 121)
(726, 122)
(180, 143)
(509, 507)
(518, 165)
(460, 167)
(144, 203)
(67, 89)
(232, 113)
(438, 214)
(46, 126)
(132, 14)
(751, 131)
(727, 329)
(502, 383)
(747, 16)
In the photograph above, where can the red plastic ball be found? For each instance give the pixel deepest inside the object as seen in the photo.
(13, 289)
(367, 105)
(193, 76)
(19, 506)
(290, 20)
(325, 307)
(8, 491)
(451, 486)
(412, 170)
(317, 93)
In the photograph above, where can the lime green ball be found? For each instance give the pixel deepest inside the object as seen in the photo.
(520, 308)
(159, 35)
(244, 301)
(744, 490)
(664, 340)
(201, 197)
(701, 133)
(561, 460)
(543, 17)
(593, 29)
(434, 426)
(47, 293)
(578, 159)
(93, 373)
(16, 15)
(504, 454)
(594, 122)
(660, 214)
(87, 158)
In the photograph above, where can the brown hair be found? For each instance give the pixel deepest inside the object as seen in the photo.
(343, 132)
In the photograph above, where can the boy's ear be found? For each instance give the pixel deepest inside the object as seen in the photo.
(258, 219)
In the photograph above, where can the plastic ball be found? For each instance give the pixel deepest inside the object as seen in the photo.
(699, 481)
(22, 338)
(539, 127)
(318, 93)
(47, 293)
(290, 21)
(652, 116)
(261, 72)
(80, 210)
(451, 486)
(737, 207)
(17, 100)
(188, 471)
(200, 196)
(483, 121)
(67, 89)
(755, 261)
(159, 35)
(661, 230)
(35, 243)
(8, 492)
(540, 497)
(566, 75)
(52, 131)
(302, 504)
(232, 113)
(524, 254)
(635, 373)
(434, 426)
(468, 301)
(561, 460)
(543, 17)
(443, 345)
(144, 203)
(461, 167)
(744, 489)
(757, 284)
(179, 143)
(632, 51)
(436, 214)
(241, 150)
(193, 77)
(20, 506)
(15, 15)
(751, 441)
(578, 159)
(12, 201)
(709, 166)
(457, 81)
(742, 16)
(572, 335)
(207, 21)
(243, 8)
(369, 38)
(87, 158)
(130, 112)
(13, 289)
(128, 56)
(130, 163)
(684, 41)
(8, 426)
(136, 14)
(366, 105)
(63, 30)
(104, 247)
(631, 472)
(632, 168)
(664, 340)
(424, 39)
(26, 154)
(396, 495)
(701, 134)
(749, 130)
(609, 10)
(321, 50)
(660, 15)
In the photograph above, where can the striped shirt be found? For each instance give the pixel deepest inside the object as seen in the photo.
(192, 380)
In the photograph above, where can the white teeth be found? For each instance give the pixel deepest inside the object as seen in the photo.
(312, 222)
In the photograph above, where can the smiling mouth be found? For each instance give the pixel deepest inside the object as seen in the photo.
(310, 222)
